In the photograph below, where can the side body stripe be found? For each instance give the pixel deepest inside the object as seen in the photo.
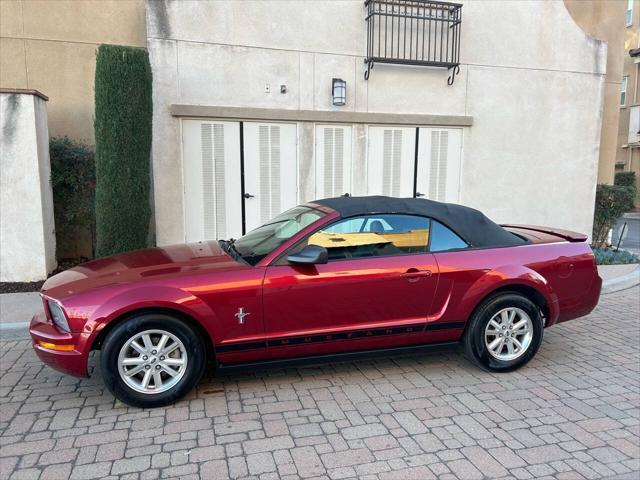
(330, 337)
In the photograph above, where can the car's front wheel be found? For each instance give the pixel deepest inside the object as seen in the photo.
(152, 359)
(504, 333)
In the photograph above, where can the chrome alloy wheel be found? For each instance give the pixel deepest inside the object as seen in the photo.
(152, 361)
(508, 334)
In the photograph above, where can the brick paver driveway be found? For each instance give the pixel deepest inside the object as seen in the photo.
(572, 413)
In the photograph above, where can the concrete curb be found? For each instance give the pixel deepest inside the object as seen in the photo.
(14, 326)
(16, 310)
(623, 282)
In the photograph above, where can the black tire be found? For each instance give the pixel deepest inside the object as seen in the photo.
(116, 339)
(473, 340)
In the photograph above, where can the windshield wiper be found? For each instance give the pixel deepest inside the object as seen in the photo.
(234, 252)
(227, 246)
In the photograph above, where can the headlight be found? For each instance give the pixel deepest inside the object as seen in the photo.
(57, 315)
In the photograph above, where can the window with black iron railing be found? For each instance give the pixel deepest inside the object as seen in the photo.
(413, 32)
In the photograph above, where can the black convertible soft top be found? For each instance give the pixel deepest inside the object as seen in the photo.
(470, 224)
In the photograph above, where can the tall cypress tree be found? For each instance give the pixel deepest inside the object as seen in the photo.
(123, 115)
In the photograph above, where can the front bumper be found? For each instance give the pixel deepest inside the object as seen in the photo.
(45, 334)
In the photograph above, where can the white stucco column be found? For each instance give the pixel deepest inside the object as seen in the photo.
(27, 231)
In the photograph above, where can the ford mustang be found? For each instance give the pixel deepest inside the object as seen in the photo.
(333, 278)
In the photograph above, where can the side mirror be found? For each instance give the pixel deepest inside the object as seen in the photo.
(311, 254)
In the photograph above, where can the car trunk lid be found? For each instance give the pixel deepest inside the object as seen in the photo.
(548, 234)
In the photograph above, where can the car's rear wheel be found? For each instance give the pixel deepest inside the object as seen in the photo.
(152, 359)
(504, 333)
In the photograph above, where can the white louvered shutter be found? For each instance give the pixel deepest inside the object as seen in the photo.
(390, 161)
(270, 170)
(333, 160)
(211, 168)
(439, 159)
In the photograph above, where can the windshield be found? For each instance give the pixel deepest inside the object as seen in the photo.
(258, 243)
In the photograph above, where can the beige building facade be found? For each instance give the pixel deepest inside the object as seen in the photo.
(628, 151)
(523, 115)
(50, 46)
(535, 100)
(605, 20)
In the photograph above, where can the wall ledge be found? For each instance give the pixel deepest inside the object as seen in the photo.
(25, 91)
(272, 114)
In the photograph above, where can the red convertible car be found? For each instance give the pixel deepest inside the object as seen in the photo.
(329, 279)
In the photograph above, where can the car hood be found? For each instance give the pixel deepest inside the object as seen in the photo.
(141, 265)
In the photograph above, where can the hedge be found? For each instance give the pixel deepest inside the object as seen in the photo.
(609, 256)
(123, 143)
(625, 179)
(611, 202)
(73, 180)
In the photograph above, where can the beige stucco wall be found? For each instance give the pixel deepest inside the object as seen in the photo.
(26, 202)
(532, 80)
(50, 46)
(605, 19)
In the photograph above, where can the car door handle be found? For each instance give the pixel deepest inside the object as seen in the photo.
(413, 274)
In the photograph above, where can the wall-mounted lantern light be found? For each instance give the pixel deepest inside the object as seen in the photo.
(339, 92)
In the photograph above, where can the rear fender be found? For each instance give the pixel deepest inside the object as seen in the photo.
(502, 277)
(150, 297)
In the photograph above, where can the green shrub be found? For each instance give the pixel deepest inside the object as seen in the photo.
(625, 179)
(73, 180)
(609, 256)
(611, 202)
(123, 143)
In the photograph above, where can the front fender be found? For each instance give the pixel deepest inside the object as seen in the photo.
(504, 276)
(143, 297)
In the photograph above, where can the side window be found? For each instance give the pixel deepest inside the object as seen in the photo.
(443, 239)
(346, 226)
(372, 236)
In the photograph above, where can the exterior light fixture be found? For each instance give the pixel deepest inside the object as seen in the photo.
(339, 92)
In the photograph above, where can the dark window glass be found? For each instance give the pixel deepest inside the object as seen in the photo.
(443, 239)
(372, 236)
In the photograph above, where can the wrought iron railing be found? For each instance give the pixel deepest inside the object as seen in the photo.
(414, 32)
